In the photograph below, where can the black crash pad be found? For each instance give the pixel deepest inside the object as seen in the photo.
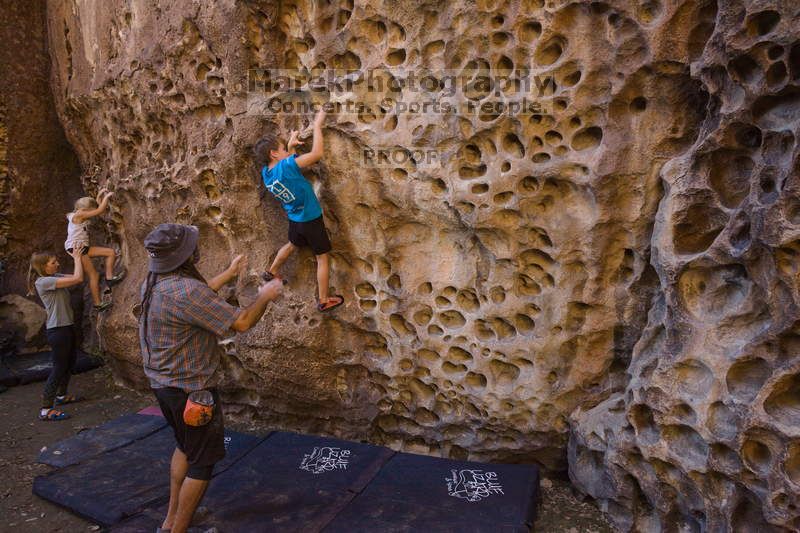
(420, 493)
(110, 436)
(289, 482)
(7, 377)
(119, 483)
(28, 368)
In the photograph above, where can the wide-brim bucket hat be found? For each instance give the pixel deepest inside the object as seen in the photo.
(170, 245)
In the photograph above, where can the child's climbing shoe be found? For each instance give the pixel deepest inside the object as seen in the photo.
(116, 279)
(53, 415)
(332, 303)
(102, 306)
(269, 276)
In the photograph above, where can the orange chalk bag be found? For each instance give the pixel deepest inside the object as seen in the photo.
(199, 408)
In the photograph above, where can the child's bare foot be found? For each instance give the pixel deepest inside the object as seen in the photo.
(332, 303)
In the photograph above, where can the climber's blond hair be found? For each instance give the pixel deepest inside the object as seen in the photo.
(87, 202)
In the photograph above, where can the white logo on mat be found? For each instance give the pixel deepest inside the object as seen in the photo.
(325, 459)
(473, 485)
(281, 192)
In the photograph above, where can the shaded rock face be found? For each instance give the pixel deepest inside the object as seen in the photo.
(22, 320)
(39, 171)
(617, 271)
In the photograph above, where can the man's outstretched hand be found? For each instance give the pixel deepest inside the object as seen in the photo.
(238, 264)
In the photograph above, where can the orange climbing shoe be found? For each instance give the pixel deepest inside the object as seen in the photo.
(332, 303)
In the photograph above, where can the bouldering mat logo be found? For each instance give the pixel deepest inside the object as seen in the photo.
(473, 485)
(325, 459)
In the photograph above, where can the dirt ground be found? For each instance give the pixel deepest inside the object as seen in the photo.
(22, 436)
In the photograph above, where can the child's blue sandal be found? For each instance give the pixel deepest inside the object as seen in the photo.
(53, 415)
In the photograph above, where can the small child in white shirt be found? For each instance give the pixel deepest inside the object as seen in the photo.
(78, 236)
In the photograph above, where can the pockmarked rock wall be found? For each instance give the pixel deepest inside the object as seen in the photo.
(613, 274)
(705, 434)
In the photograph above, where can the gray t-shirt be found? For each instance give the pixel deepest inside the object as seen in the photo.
(56, 302)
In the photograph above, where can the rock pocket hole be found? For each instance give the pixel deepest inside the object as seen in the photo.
(549, 52)
(458, 354)
(587, 138)
(468, 301)
(757, 456)
(530, 31)
(450, 368)
(776, 74)
(722, 421)
(452, 319)
(396, 57)
(423, 316)
(745, 378)
(762, 23)
(401, 326)
(638, 104)
(474, 380)
(503, 373)
(365, 290)
(783, 404)
(792, 464)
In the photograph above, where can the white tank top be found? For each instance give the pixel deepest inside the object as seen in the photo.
(77, 234)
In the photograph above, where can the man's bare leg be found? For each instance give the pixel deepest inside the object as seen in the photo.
(177, 473)
(283, 254)
(192, 491)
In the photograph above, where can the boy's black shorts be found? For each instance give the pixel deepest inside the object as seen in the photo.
(311, 233)
(203, 445)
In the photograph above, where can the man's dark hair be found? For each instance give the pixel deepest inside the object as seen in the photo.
(188, 270)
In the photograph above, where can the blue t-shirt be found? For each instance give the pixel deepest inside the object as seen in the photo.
(287, 184)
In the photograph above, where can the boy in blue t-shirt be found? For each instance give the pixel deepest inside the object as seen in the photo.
(282, 177)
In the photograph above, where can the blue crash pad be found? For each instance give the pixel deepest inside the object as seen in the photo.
(110, 436)
(119, 483)
(289, 482)
(420, 493)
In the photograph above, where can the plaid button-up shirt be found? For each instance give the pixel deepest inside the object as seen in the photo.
(185, 321)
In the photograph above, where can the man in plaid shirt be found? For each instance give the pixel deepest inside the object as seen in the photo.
(182, 320)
